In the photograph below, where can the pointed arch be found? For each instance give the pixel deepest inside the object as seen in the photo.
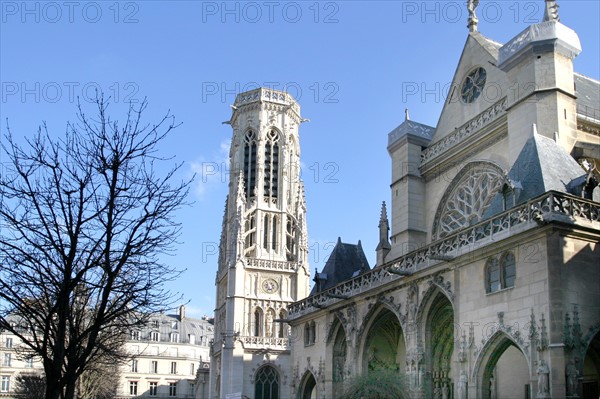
(266, 383)
(436, 333)
(257, 321)
(373, 310)
(487, 360)
(249, 163)
(468, 196)
(282, 326)
(271, 165)
(590, 367)
(422, 310)
(339, 361)
(308, 386)
(382, 343)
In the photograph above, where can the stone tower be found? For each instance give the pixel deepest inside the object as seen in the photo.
(263, 250)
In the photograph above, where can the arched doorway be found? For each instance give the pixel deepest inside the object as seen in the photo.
(591, 369)
(385, 346)
(308, 388)
(439, 347)
(266, 383)
(505, 372)
(339, 357)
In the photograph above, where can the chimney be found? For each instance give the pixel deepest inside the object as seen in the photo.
(181, 312)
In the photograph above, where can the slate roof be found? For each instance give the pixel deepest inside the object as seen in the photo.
(166, 324)
(588, 95)
(491, 46)
(542, 166)
(345, 262)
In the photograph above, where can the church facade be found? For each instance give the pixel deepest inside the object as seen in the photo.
(487, 282)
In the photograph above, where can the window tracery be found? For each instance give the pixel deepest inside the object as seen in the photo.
(250, 234)
(500, 273)
(250, 163)
(266, 383)
(271, 164)
(468, 197)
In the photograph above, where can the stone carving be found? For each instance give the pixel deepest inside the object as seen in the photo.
(543, 342)
(572, 332)
(572, 378)
(472, 23)
(543, 373)
(551, 11)
(412, 298)
(462, 385)
(445, 286)
(465, 131)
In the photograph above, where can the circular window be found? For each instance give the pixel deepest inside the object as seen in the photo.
(473, 85)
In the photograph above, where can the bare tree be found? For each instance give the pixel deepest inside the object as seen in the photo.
(84, 223)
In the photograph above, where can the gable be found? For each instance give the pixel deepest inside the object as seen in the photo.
(478, 52)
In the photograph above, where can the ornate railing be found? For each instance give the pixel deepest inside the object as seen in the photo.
(465, 131)
(551, 206)
(250, 342)
(271, 264)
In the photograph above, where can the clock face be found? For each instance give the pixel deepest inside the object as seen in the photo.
(473, 85)
(269, 286)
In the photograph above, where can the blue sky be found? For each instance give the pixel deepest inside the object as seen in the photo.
(354, 66)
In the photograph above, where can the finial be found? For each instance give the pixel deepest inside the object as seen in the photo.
(383, 217)
(473, 21)
(406, 116)
(551, 11)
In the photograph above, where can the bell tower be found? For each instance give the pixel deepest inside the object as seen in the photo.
(263, 251)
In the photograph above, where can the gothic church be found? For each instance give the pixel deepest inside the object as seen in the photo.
(487, 281)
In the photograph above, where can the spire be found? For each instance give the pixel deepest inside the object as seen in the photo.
(384, 244)
(473, 21)
(406, 116)
(551, 11)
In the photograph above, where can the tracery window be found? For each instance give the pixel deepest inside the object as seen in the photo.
(266, 383)
(508, 197)
(250, 232)
(468, 197)
(310, 333)
(290, 238)
(250, 163)
(271, 164)
(500, 273)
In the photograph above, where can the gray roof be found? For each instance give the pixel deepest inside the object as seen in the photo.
(588, 95)
(542, 166)
(345, 262)
(491, 46)
(167, 324)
